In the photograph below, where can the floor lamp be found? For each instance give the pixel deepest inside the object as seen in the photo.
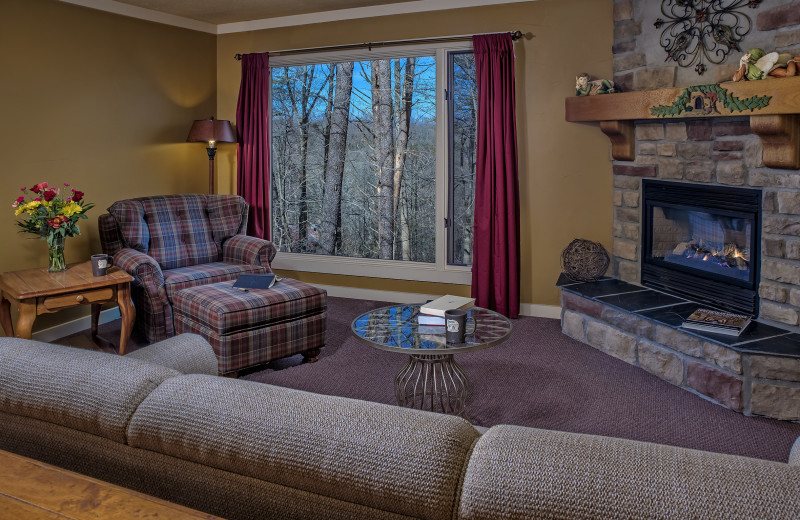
(211, 131)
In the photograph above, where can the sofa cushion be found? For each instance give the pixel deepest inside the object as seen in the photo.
(202, 274)
(389, 458)
(186, 353)
(93, 392)
(173, 229)
(519, 472)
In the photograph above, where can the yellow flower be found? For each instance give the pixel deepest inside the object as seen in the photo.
(32, 205)
(71, 209)
(19, 209)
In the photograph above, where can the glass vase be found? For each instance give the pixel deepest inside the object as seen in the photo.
(57, 262)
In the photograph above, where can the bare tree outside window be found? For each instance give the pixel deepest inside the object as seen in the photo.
(354, 159)
(464, 130)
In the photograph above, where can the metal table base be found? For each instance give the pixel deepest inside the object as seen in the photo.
(432, 382)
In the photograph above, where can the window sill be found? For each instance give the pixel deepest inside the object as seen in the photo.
(393, 269)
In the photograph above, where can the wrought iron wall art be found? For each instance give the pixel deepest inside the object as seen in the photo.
(703, 30)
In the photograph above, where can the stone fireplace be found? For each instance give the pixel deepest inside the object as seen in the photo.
(657, 137)
(714, 153)
(630, 316)
(703, 243)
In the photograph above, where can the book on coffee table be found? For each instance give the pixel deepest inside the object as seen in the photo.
(446, 303)
(428, 319)
(717, 321)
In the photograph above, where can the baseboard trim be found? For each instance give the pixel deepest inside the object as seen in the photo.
(526, 309)
(71, 327)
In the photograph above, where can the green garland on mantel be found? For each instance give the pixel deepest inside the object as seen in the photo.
(714, 93)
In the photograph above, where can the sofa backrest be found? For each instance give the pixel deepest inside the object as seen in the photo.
(93, 392)
(519, 472)
(178, 230)
(379, 457)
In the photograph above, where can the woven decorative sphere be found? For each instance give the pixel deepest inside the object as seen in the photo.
(584, 261)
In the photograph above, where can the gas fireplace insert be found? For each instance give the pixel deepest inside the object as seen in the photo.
(702, 243)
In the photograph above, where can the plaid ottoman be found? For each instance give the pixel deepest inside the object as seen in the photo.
(254, 327)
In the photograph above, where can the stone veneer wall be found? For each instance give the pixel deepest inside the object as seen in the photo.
(747, 383)
(722, 152)
(707, 151)
(639, 59)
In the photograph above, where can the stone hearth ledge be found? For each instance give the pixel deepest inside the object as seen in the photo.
(756, 373)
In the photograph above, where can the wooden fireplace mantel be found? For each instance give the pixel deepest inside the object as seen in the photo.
(773, 106)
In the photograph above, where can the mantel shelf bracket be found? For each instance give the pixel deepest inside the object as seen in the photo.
(780, 137)
(773, 106)
(623, 140)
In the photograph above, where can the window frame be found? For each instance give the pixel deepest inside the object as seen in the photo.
(439, 270)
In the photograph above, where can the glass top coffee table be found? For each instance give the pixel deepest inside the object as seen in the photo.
(431, 379)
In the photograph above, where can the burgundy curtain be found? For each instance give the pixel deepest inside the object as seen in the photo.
(252, 122)
(495, 252)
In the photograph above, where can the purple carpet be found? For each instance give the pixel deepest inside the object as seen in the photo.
(538, 377)
(544, 379)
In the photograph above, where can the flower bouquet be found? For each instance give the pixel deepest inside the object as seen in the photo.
(52, 217)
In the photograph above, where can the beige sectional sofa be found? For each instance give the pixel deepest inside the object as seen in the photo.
(159, 421)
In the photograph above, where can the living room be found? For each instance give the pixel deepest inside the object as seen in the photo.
(114, 89)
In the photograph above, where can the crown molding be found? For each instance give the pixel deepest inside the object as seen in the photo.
(414, 6)
(110, 6)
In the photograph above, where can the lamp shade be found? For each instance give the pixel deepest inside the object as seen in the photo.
(207, 130)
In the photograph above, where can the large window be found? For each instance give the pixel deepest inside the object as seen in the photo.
(365, 180)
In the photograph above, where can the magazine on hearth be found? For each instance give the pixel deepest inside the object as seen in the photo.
(248, 281)
(717, 321)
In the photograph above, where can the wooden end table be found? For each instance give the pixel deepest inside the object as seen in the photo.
(30, 489)
(37, 291)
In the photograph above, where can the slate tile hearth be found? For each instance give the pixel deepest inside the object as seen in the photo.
(759, 338)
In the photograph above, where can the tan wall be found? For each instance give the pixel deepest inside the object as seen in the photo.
(565, 172)
(103, 102)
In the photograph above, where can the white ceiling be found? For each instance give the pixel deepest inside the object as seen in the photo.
(229, 11)
(227, 16)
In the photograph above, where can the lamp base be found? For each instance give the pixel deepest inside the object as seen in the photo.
(211, 153)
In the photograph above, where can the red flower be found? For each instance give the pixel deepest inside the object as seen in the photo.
(55, 223)
(77, 196)
(36, 188)
(38, 199)
(49, 195)
(20, 200)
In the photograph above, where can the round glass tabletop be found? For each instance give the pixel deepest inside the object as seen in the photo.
(397, 329)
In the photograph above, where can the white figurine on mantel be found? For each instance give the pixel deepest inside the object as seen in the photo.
(757, 64)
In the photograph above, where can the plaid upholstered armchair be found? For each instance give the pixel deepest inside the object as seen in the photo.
(171, 242)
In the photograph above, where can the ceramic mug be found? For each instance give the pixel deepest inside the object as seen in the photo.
(100, 264)
(456, 322)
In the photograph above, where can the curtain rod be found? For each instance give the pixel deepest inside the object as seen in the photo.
(516, 35)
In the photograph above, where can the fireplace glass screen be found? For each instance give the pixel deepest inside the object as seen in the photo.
(710, 242)
(701, 242)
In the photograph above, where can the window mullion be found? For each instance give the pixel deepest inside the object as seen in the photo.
(442, 125)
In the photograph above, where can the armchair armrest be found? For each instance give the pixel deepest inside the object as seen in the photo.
(144, 269)
(242, 249)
